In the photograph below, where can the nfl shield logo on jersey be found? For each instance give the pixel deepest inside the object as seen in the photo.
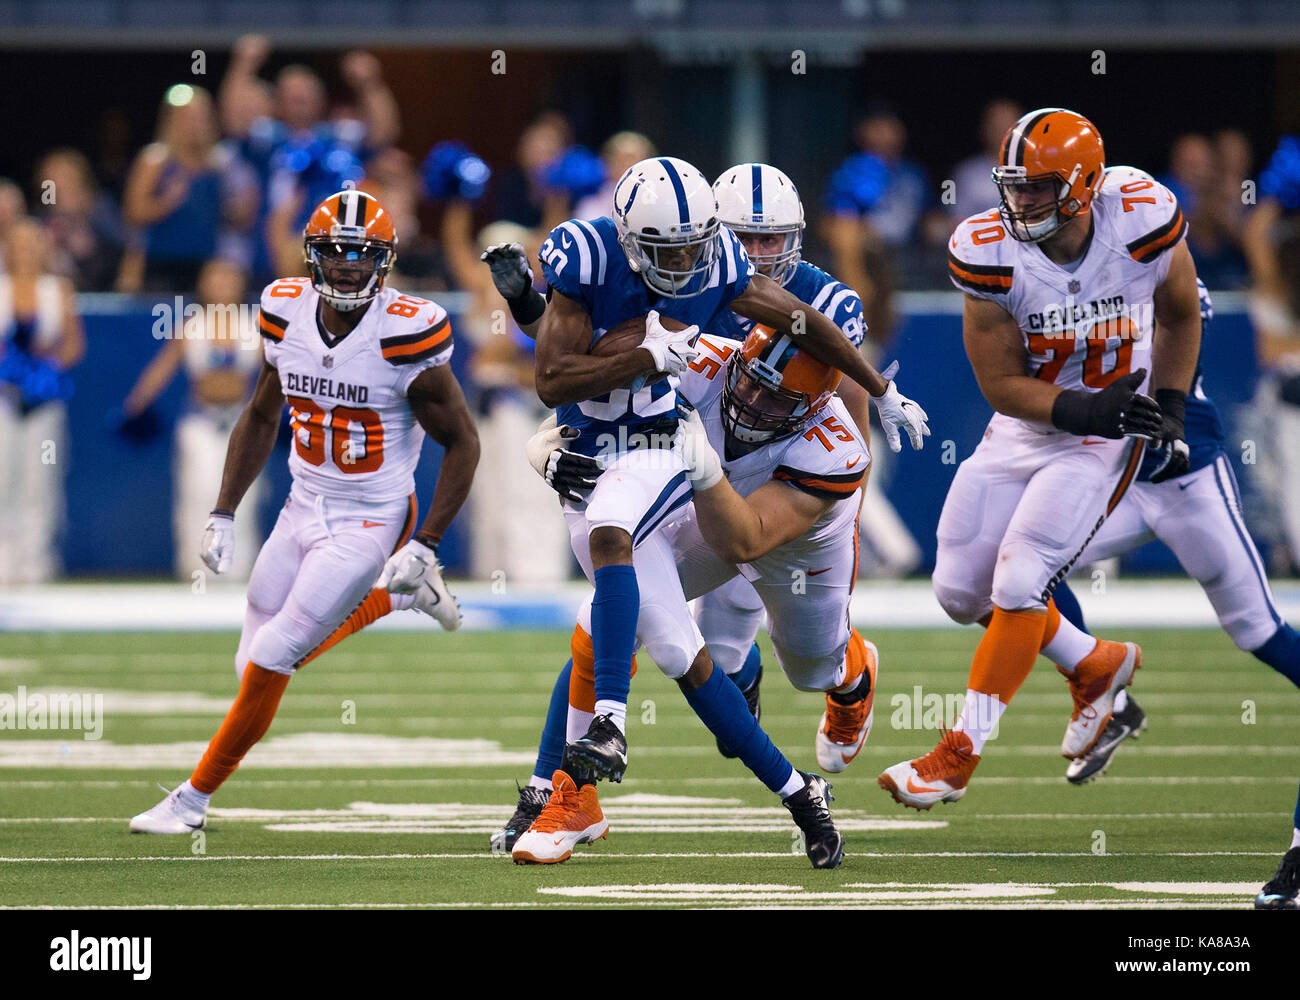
(1073, 286)
(327, 361)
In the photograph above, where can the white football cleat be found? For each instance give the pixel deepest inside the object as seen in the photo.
(844, 728)
(939, 776)
(571, 816)
(1098, 678)
(171, 815)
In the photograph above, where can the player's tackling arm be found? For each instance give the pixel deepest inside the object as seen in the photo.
(997, 355)
(566, 373)
(252, 440)
(439, 406)
(1178, 325)
(741, 529)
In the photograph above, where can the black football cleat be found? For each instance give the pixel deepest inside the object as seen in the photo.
(1125, 725)
(601, 753)
(1283, 892)
(531, 803)
(755, 709)
(808, 806)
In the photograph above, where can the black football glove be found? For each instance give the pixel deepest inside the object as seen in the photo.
(510, 271)
(1173, 455)
(1117, 411)
(570, 474)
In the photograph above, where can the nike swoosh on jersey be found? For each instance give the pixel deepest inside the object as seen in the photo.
(1086, 441)
(819, 572)
(372, 524)
(855, 461)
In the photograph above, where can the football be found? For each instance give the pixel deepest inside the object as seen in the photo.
(628, 335)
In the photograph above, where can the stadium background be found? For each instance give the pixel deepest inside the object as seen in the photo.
(712, 83)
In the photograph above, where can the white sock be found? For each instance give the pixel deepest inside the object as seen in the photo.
(576, 724)
(1295, 837)
(792, 784)
(1069, 646)
(616, 710)
(194, 797)
(536, 782)
(1121, 700)
(979, 718)
(402, 602)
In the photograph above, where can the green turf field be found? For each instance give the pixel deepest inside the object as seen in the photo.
(395, 755)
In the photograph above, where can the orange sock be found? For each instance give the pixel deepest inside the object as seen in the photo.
(1007, 652)
(247, 722)
(855, 662)
(377, 604)
(1053, 623)
(582, 680)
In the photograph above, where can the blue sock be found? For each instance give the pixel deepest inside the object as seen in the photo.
(551, 749)
(1282, 653)
(613, 630)
(1068, 605)
(744, 677)
(722, 708)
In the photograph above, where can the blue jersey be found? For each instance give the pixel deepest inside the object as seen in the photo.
(583, 260)
(1202, 427)
(834, 299)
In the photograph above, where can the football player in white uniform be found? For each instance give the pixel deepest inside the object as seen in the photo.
(1076, 286)
(364, 371)
(782, 516)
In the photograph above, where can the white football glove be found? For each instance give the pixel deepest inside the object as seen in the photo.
(671, 349)
(896, 411)
(571, 475)
(703, 466)
(217, 550)
(414, 569)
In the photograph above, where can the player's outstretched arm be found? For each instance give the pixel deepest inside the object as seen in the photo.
(766, 302)
(996, 350)
(439, 406)
(252, 440)
(566, 373)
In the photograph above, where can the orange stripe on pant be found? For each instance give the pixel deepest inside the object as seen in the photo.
(582, 679)
(247, 722)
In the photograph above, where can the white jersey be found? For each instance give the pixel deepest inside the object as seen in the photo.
(1086, 327)
(355, 436)
(827, 458)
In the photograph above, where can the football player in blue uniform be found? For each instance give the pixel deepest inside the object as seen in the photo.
(664, 252)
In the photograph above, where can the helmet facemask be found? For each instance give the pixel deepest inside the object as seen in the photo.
(778, 265)
(348, 273)
(1047, 216)
(676, 266)
(756, 409)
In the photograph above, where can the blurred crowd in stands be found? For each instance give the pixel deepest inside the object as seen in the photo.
(214, 206)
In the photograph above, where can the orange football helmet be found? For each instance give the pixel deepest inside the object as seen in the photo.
(1048, 146)
(772, 389)
(350, 246)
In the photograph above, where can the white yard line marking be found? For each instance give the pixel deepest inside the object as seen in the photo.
(596, 856)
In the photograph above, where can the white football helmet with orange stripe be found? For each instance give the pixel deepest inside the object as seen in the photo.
(1051, 166)
(350, 246)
